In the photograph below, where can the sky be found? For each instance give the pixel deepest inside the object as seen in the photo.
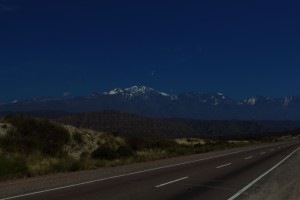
(74, 47)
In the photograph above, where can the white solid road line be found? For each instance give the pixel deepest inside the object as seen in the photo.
(262, 153)
(248, 158)
(224, 165)
(261, 176)
(177, 180)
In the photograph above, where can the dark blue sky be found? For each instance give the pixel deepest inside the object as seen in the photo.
(240, 48)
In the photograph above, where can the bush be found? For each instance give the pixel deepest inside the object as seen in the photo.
(161, 143)
(47, 136)
(17, 144)
(12, 168)
(180, 150)
(66, 164)
(125, 151)
(78, 138)
(105, 152)
(108, 152)
(4, 126)
(137, 144)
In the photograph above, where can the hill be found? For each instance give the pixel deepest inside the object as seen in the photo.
(32, 146)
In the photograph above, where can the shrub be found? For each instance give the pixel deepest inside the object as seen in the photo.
(78, 138)
(161, 143)
(67, 164)
(18, 144)
(137, 144)
(49, 137)
(4, 126)
(108, 152)
(105, 152)
(125, 151)
(12, 168)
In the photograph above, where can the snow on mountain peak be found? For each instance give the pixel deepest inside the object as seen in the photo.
(287, 100)
(114, 91)
(221, 95)
(135, 91)
(217, 102)
(164, 94)
(251, 101)
(255, 99)
(139, 89)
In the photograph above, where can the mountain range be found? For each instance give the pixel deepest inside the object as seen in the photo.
(149, 102)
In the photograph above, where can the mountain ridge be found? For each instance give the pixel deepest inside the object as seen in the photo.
(147, 101)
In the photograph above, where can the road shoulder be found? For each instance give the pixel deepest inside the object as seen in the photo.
(282, 183)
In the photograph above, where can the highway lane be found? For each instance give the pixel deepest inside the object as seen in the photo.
(218, 177)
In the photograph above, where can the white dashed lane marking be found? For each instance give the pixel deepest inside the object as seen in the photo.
(224, 165)
(248, 158)
(170, 182)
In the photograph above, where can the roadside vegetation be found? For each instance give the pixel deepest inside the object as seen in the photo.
(33, 147)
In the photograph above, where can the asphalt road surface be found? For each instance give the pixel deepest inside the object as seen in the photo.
(223, 176)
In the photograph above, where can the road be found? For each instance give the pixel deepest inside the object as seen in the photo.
(223, 176)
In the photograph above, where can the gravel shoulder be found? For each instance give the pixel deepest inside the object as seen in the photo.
(29, 185)
(281, 184)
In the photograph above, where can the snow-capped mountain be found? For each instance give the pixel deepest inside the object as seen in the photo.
(150, 102)
(249, 101)
(259, 100)
(135, 91)
(140, 90)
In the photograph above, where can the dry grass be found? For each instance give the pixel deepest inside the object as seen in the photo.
(91, 140)
(4, 128)
(39, 165)
(151, 154)
(190, 141)
(239, 141)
